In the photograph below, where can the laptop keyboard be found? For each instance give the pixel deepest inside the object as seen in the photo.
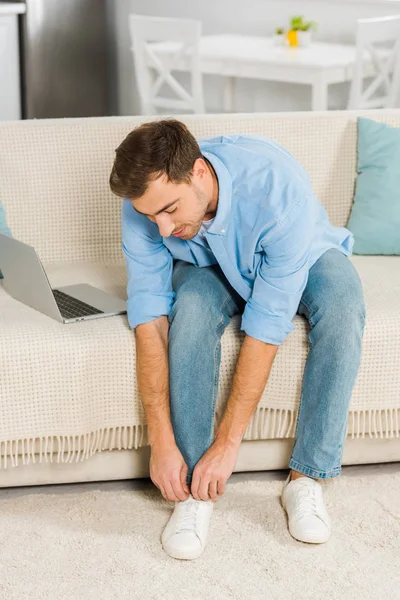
(71, 307)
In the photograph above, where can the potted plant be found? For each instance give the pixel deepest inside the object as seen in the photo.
(295, 23)
(299, 33)
(279, 36)
(304, 33)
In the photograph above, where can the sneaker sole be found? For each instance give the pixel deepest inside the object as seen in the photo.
(183, 555)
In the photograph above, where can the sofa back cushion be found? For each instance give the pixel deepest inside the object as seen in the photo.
(54, 173)
(375, 214)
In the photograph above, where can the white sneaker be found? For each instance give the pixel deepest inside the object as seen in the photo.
(308, 519)
(185, 535)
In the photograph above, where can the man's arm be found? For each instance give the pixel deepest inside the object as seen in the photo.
(251, 375)
(281, 278)
(149, 266)
(152, 370)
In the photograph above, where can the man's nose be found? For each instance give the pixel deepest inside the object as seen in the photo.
(165, 225)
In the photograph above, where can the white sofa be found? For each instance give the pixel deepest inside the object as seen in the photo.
(69, 401)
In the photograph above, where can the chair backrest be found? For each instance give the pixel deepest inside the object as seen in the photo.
(378, 42)
(153, 69)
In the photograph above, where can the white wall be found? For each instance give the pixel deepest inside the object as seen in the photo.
(336, 19)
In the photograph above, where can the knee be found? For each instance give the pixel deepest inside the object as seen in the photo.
(344, 315)
(195, 316)
(348, 309)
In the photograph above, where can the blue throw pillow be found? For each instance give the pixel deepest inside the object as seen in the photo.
(375, 214)
(3, 227)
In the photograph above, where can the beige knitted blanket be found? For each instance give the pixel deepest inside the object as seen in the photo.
(67, 391)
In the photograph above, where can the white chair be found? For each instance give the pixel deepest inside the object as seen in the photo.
(386, 61)
(184, 35)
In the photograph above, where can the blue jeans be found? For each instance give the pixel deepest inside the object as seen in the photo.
(333, 304)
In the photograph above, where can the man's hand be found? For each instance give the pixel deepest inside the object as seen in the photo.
(168, 471)
(213, 470)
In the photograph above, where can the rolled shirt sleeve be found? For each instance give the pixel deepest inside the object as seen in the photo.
(149, 266)
(281, 274)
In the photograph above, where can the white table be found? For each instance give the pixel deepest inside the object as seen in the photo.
(255, 57)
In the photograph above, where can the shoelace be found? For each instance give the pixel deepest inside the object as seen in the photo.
(306, 501)
(188, 516)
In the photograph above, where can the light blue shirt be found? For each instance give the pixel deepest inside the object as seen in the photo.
(268, 231)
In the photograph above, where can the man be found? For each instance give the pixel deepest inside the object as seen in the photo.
(227, 226)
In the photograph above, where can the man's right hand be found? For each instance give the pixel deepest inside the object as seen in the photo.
(168, 471)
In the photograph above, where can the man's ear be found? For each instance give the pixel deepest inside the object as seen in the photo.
(199, 168)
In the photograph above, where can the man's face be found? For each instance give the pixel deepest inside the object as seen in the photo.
(189, 203)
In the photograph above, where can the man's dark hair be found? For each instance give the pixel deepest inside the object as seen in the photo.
(150, 150)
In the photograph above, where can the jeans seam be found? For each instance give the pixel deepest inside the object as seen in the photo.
(311, 313)
(310, 319)
(215, 380)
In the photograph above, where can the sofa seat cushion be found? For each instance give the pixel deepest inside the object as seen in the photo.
(73, 386)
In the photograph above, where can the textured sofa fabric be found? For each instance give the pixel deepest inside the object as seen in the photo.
(3, 227)
(68, 392)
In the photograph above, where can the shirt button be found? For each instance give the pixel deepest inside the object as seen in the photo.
(222, 230)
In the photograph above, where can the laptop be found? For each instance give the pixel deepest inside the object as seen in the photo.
(25, 280)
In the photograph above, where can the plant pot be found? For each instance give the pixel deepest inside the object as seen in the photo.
(304, 38)
(292, 37)
(279, 39)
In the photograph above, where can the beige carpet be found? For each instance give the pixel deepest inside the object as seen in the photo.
(106, 544)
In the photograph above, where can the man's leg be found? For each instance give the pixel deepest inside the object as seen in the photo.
(333, 304)
(204, 304)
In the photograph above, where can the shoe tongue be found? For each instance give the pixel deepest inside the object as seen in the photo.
(306, 481)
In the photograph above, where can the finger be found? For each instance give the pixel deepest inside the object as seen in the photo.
(162, 490)
(221, 488)
(185, 486)
(170, 492)
(178, 489)
(203, 488)
(213, 490)
(194, 488)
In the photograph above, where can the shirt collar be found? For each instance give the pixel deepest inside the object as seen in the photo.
(221, 222)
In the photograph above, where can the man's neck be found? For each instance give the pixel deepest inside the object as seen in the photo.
(215, 191)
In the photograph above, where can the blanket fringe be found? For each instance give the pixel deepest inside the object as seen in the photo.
(267, 423)
(273, 423)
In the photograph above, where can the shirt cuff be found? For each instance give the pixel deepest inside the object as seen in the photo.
(269, 328)
(145, 307)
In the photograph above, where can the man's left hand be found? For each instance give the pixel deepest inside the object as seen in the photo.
(213, 470)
